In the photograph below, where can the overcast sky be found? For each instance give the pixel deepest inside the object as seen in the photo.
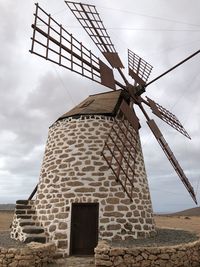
(34, 92)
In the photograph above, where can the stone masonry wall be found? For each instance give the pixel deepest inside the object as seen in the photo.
(34, 254)
(74, 170)
(184, 255)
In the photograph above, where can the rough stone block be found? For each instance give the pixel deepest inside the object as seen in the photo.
(164, 256)
(60, 236)
(113, 227)
(62, 244)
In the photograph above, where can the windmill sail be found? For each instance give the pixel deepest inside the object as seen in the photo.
(162, 142)
(167, 116)
(52, 42)
(120, 148)
(139, 69)
(89, 18)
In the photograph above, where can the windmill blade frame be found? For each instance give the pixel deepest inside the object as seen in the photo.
(168, 152)
(139, 69)
(120, 148)
(167, 117)
(90, 20)
(59, 46)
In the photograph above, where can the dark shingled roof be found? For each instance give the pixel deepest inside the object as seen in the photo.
(99, 104)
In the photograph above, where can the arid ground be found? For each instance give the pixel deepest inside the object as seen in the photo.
(190, 223)
(5, 220)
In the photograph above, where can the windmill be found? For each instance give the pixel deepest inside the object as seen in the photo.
(93, 183)
(60, 47)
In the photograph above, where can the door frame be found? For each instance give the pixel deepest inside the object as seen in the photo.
(71, 224)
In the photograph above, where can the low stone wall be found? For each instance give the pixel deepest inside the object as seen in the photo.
(187, 255)
(33, 254)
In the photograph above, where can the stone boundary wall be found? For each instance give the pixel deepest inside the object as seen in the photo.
(33, 254)
(187, 255)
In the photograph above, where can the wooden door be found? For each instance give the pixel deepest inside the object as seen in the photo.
(84, 228)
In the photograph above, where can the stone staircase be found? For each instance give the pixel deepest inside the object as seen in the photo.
(25, 226)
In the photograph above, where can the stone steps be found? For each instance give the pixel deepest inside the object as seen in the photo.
(35, 238)
(24, 217)
(28, 223)
(33, 229)
(22, 202)
(23, 207)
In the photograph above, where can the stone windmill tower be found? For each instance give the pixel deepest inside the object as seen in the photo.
(93, 183)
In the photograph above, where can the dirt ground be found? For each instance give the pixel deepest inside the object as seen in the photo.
(190, 223)
(5, 220)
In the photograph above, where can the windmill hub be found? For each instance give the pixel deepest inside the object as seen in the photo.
(140, 89)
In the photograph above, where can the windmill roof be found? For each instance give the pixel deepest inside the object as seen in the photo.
(98, 104)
